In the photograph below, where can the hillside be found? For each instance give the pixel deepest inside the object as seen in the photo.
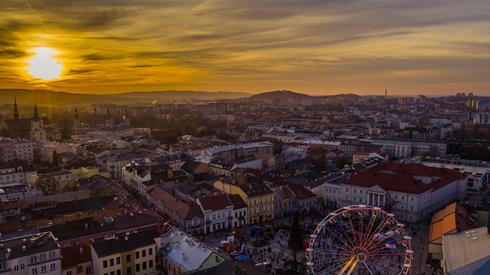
(280, 95)
(49, 98)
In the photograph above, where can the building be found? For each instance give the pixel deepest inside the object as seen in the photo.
(400, 148)
(16, 174)
(466, 253)
(452, 219)
(258, 197)
(18, 150)
(183, 254)
(98, 121)
(137, 177)
(133, 254)
(239, 211)
(76, 260)
(477, 172)
(35, 128)
(19, 192)
(188, 217)
(411, 191)
(32, 254)
(217, 211)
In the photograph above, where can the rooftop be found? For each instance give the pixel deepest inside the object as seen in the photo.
(28, 245)
(127, 243)
(465, 248)
(405, 178)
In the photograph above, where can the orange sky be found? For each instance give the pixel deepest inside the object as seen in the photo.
(313, 46)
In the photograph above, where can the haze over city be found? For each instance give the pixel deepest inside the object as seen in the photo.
(316, 47)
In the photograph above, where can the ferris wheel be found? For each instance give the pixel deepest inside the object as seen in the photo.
(359, 239)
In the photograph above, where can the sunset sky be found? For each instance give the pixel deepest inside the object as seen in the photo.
(315, 46)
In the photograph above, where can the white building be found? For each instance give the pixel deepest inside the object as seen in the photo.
(137, 177)
(33, 254)
(217, 211)
(410, 191)
(13, 174)
(399, 148)
(17, 150)
(477, 172)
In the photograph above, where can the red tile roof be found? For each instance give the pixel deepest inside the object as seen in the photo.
(215, 202)
(402, 177)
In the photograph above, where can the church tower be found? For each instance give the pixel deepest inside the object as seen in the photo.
(16, 110)
(38, 132)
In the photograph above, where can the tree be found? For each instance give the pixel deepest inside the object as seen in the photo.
(296, 237)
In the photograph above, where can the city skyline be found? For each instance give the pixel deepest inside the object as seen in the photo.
(314, 47)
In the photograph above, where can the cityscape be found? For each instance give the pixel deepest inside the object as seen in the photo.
(244, 137)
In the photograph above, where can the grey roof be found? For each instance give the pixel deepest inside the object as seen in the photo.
(128, 243)
(36, 243)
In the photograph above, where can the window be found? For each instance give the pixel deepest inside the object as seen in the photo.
(88, 270)
(79, 269)
(104, 263)
(137, 256)
(150, 264)
(44, 269)
(33, 259)
(144, 265)
(150, 251)
(42, 257)
(129, 271)
(113, 273)
(118, 272)
(111, 262)
(143, 253)
(52, 254)
(118, 260)
(137, 267)
(128, 258)
(53, 267)
(68, 273)
(34, 270)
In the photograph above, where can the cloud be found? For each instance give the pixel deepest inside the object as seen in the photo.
(311, 45)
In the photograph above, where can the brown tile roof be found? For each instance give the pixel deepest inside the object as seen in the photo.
(215, 202)
(402, 177)
(75, 255)
(300, 192)
(182, 209)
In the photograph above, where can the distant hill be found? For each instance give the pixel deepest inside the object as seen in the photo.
(280, 95)
(49, 98)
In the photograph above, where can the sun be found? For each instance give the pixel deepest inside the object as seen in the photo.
(44, 64)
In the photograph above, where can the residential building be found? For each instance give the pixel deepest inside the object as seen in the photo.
(76, 260)
(217, 211)
(33, 254)
(133, 254)
(258, 197)
(182, 254)
(137, 177)
(18, 150)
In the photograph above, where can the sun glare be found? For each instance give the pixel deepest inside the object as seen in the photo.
(44, 65)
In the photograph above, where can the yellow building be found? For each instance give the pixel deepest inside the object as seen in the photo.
(87, 172)
(258, 197)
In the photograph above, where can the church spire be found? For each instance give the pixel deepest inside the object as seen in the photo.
(16, 110)
(35, 115)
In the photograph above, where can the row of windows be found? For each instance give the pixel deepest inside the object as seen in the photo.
(261, 200)
(44, 269)
(117, 260)
(129, 271)
(42, 256)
